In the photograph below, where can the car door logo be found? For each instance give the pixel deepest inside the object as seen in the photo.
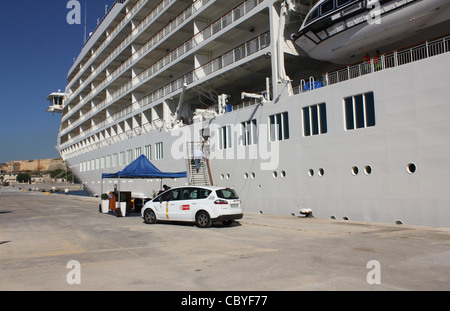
(185, 208)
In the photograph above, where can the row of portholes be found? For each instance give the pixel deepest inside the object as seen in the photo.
(252, 175)
(410, 168)
(367, 170)
(320, 172)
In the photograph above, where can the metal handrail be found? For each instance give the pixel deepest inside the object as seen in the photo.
(384, 61)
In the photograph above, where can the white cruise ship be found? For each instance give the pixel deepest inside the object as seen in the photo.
(340, 107)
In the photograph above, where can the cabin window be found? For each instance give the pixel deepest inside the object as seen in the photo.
(159, 151)
(129, 156)
(225, 137)
(359, 111)
(115, 160)
(315, 120)
(121, 158)
(249, 133)
(137, 152)
(327, 6)
(279, 126)
(148, 151)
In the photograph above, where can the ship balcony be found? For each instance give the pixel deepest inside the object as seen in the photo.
(253, 49)
(109, 38)
(156, 13)
(207, 33)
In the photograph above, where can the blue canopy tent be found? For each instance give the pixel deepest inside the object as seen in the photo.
(141, 168)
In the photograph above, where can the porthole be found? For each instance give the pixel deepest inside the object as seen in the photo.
(355, 170)
(411, 168)
(246, 175)
(311, 172)
(283, 174)
(321, 172)
(274, 174)
(222, 176)
(253, 175)
(367, 170)
(228, 176)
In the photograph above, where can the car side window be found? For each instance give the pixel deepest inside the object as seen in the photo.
(185, 194)
(171, 195)
(204, 193)
(194, 193)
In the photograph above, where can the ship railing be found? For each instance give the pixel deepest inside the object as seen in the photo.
(111, 36)
(215, 27)
(381, 62)
(247, 49)
(245, 104)
(220, 62)
(190, 44)
(119, 48)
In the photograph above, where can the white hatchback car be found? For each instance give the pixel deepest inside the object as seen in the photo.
(200, 204)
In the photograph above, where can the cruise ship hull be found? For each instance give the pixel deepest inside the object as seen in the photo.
(371, 144)
(318, 172)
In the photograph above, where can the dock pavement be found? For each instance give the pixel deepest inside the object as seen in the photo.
(57, 242)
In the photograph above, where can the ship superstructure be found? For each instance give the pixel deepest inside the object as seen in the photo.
(367, 141)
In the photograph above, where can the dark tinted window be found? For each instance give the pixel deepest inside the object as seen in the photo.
(227, 194)
(327, 6)
(323, 118)
(350, 125)
(286, 125)
(203, 193)
(313, 15)
(359, 111)
(170, 195)
(306, 122)
(194, 194)
(370, 109)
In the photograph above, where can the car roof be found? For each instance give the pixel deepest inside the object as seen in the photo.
(201, 187)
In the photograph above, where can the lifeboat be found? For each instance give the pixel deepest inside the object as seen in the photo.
(337, 30)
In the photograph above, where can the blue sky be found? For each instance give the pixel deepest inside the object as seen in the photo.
(37, 47)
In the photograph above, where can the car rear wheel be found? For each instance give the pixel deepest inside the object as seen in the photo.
(149, 216)
(203, 220)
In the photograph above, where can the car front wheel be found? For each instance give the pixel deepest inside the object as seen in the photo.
(203, 220)
(149, 216)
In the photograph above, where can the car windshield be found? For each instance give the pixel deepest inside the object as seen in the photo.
(227, 194)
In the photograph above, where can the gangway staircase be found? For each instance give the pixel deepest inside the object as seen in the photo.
(203, 176)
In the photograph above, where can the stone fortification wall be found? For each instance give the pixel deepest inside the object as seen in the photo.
(33, 165)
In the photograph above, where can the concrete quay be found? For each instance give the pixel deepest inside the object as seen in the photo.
(44, 237)
(47, 187)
